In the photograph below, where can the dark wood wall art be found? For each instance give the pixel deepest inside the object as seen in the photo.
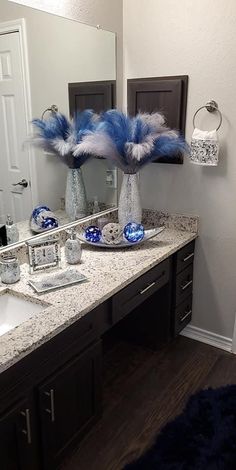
(98, 96)
(167, 95)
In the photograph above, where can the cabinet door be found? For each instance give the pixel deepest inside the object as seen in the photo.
(69, 403)
(17, 439)
(98, 96)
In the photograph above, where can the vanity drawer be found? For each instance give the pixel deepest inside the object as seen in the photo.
(185, 257)
(183, 315)
(184, 284)
(138, 291)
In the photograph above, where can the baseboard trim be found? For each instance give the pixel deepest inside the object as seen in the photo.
(208, 337)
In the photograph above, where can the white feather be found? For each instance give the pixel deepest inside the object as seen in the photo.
(157, 123)
(97, 144)
(154, 120)
(62, 147)
(167, 132)
(138, 151)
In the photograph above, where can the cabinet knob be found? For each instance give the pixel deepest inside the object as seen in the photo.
(27, 431)
(51, 410)
(184, 286)
(188, 257)
(186, 315)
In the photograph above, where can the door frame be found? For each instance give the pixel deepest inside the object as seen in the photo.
(19, 26)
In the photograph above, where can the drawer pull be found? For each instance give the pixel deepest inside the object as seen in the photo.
(27, 431)
(51, 411)
(152, 284)
(186, 285)
(188, 257)
(187, 314)
(147, 288)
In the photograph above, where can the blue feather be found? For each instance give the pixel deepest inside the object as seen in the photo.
(166, 146)
(84, 123)
(140, 130)
(56, 126)
(118, 126)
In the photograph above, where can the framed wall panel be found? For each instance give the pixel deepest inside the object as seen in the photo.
(98, 96)
(167, 95)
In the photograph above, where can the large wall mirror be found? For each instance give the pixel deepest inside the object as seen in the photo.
(49, 60)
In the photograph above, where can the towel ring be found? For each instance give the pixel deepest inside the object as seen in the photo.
(52, 109)
(211, 106)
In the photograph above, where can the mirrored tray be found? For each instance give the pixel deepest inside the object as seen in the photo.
(150, 233)
(56, 280)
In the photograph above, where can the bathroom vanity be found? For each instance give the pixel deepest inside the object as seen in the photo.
(51, 365)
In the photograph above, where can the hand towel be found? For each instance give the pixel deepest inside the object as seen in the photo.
(204, 148)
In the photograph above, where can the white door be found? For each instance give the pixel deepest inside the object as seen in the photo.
(15, 199)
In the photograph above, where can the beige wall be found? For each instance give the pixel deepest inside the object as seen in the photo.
(196, 38)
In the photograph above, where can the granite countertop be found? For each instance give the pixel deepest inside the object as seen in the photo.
(108, 271)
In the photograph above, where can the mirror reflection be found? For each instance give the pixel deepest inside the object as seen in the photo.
(47, 60)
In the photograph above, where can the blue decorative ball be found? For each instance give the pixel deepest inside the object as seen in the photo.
(42, 219)
(93, 234)
(133, 232)
(37, 211)
(49, 223)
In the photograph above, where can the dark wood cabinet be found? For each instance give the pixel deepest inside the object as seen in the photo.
(182, 288)
(51, 397)
(18, 439)
(98, 96)
(140, 290)
(166, 95)
(69, 403)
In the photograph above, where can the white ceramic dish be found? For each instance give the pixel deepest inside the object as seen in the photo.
(150, 233)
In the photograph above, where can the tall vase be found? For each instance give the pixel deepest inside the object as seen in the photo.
(75, 197)
(129, 208)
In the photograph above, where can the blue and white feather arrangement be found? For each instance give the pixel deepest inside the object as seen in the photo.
(61, 136)
(131, 142)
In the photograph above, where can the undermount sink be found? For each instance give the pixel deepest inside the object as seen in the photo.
(15, 310)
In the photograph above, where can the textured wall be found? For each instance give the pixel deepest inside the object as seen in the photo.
(107, 13)
(198, 39)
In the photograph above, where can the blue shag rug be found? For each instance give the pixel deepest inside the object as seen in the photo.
(203, 437)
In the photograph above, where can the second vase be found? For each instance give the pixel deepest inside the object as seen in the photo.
(129, 209)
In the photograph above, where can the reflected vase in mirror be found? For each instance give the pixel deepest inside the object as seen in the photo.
(75, 198)
(61, 137)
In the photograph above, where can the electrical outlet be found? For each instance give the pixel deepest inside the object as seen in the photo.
(111, 178)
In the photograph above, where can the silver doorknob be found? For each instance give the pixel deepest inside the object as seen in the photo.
(23, 183)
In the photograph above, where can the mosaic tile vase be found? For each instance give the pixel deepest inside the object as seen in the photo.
(75, 198)
(129, 208)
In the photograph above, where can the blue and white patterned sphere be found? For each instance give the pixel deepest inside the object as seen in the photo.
(49, 223)
(42, 219)
(37, 211)
(93, 234)
(133, 232)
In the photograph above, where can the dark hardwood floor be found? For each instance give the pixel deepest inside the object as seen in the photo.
(142, 391)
